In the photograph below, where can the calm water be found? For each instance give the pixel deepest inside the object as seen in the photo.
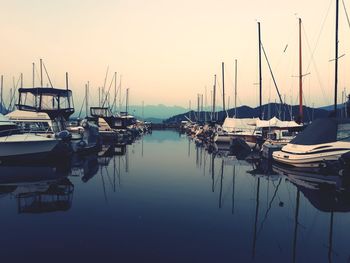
(163, 199)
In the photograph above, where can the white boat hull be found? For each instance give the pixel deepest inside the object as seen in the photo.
(310, 156)
(26, 144)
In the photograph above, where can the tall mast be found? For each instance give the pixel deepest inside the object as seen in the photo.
(300, 76)
(127, 101)
(223, 85)
(33, 74)
(120, 93)
(41, 72)
(235, 88)
(87, 99)
(260, 75)
(21, 80)
(115, 90)
(214, 94)
(1, 95)
(336, 57)
(198, 102)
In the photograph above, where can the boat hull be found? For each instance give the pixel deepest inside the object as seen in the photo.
(310, 156)
(26, 147)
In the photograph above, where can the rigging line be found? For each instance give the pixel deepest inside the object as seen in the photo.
(319, 34)
(312, 60)
(82, 105)
(13, 95)
(270, 206)
(104, 84)
(109, 89)
(273, 78)
(47, 74)
(346, 13)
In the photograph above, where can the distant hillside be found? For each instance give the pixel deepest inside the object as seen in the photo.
(269, 110)
(157, 112)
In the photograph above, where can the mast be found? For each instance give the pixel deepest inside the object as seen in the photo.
(223, 85)
(99, 96)
(235, 88)
(127, 101)
(115, 90)
(260, 74)
(87, 99)
(214, 94)
(21, 80)
(1, 95)
(336, 57)
(41, 72)
(67, 87)
(300, 76)
(33, 74)
(198, 109)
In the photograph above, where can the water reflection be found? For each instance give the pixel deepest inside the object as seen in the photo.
(326, 194)
(37, 189)
(167, 193)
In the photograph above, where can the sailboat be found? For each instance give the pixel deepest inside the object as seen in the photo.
(325, 140)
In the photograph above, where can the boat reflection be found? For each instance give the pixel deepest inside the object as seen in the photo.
(327, 193)
(37, 189)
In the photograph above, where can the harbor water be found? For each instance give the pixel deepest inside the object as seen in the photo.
(166, 199)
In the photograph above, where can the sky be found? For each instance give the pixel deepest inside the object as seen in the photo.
(167, 51)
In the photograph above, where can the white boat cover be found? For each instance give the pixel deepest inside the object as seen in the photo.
(28, 115)
(234, 124)
(276, 123)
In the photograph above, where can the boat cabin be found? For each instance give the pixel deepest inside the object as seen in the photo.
(55, 102)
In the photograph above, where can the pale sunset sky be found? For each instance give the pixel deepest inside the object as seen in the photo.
(167, 51)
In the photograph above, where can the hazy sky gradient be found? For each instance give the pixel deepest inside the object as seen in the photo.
(168, 51)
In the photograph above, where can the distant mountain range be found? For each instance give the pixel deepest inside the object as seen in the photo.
(268, 111)
(168, 114)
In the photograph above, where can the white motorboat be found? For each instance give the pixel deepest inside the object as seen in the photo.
(238, 128)
(323, 140)
(13, 143)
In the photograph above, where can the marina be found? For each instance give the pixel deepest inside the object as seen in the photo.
(197, 206)
(175, 131)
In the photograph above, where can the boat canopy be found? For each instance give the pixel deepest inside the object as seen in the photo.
(276, 123)
(234, 124)
(101, 112)
(325, 130)
(55, 102)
